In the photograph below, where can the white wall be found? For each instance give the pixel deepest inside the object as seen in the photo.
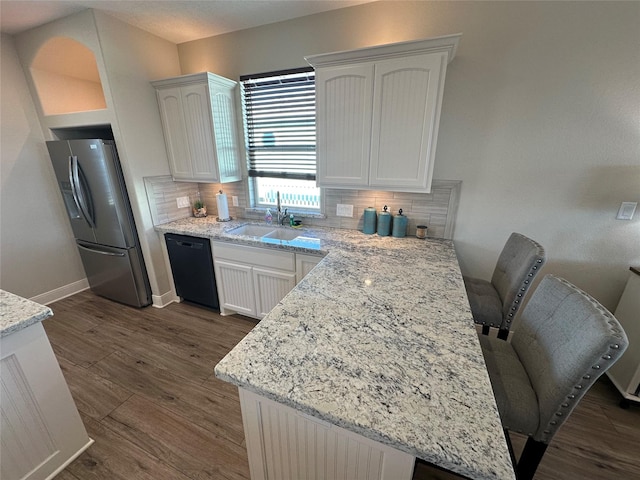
(127, 59)
(37, 250)
(540, 119)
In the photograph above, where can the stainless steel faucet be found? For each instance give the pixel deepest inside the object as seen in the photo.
(281, 216)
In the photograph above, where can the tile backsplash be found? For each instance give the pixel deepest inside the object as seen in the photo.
(162, 194)
(437, 209)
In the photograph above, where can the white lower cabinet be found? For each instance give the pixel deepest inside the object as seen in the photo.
(270, 287)
(235, 287)
(41, 430)
(285, 444)
(252, 280)
(305, 263)
(625, 373)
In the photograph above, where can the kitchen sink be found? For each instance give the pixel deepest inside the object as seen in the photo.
(273, 234)
(282, 234)
(252, 230)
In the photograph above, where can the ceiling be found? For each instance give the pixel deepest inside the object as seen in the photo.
(177, 21)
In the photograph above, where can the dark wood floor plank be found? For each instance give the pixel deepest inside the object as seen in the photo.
(77, 347)
(113, 457)
(94, 395)
(221, 388)
(179, 442)
(217, 413)
(66, 475)
(175, 357)
(75, 319)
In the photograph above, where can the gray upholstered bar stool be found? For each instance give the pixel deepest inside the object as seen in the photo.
(495, 303)
(564, 341)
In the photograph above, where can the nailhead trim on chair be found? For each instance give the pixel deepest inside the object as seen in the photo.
(554, 425)
(516, 303)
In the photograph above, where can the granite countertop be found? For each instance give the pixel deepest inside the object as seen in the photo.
(377, 339)
(17, 313)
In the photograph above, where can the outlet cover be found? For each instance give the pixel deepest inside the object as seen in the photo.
(627, 209)
(183, 202)
(343, 210)
(234, 201)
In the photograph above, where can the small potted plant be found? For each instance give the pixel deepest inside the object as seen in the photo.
(199, 209)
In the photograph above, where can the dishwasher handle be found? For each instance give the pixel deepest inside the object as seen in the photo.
(189, 244)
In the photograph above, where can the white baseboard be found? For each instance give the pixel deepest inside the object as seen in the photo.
(61, 292)
(161, 301)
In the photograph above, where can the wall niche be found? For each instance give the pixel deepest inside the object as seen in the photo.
(66, 78)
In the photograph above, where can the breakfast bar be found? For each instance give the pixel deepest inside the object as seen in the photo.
(377, 341)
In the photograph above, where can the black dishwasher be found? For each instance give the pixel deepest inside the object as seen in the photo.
(192, 267)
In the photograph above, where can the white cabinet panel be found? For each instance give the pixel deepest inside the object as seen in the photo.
(378, 111)
(406, 101)
(199, 128)
(199, 123)
(235, 287)
(625, 373)
(223, 107)
(252, 280)
(270, 287)
(41, 430)
(170, 102)
(305, 263)
(283, 443)
(343, 123)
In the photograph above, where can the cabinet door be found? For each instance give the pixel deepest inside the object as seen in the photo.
(199, 126)
(270, 287)
(225, 132)
(175, 133)
(406, 114)
(343, 124)
(235, 287)
(304, 264)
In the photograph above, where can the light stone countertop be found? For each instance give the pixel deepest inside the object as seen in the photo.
(17, 313)
(377, 339)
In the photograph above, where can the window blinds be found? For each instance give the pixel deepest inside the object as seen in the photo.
(280, 123)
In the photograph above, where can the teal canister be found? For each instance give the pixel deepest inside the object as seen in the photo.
(384, 223)
(370, 220)
(399, 225)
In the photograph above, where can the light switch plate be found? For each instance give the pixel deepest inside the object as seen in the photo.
(183, 202)
(343, 210)
(234, 200)
(627, 209)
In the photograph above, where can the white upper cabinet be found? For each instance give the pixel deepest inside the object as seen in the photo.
(378, 111)
(199, 123)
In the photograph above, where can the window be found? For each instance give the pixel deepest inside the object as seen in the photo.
(280, 137)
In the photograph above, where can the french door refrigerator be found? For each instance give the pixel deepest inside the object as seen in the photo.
(95, 196)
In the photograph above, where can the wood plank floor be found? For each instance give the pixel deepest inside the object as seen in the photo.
(143, 382)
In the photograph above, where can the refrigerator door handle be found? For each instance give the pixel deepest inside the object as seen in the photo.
(76, 190)
(101, 252)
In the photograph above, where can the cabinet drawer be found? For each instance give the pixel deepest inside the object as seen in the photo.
(263, 257)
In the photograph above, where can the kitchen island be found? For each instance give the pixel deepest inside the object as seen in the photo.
(377, 340)
(42, 431)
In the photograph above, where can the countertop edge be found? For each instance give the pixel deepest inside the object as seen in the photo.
(18, 313)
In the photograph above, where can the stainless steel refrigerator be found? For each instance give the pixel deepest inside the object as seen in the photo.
(95, 196)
